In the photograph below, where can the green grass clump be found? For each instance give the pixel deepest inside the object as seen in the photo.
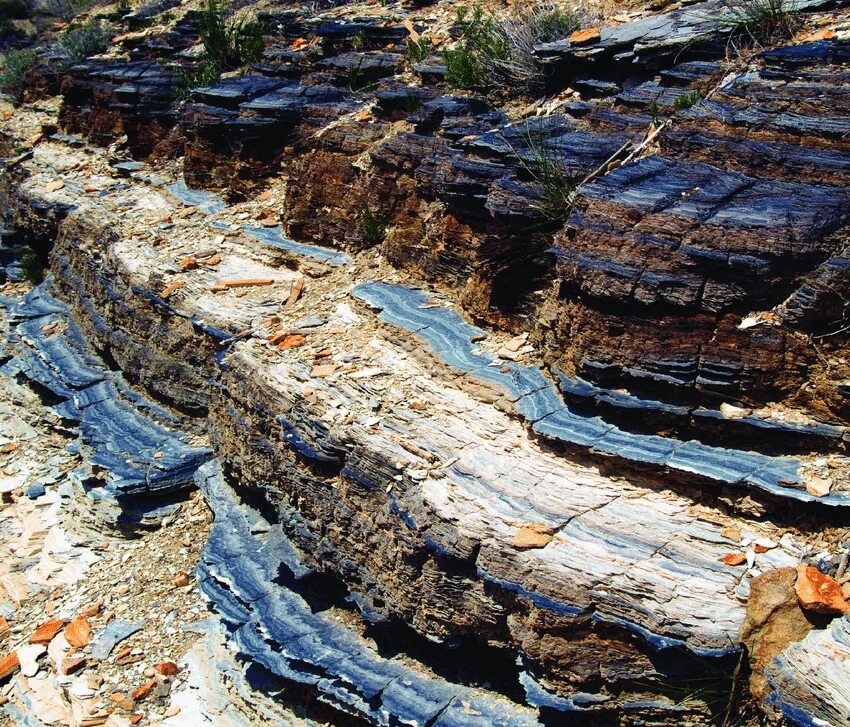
(463, 69)
(230, 43)
(418, 50)
(32, 266)
(79, 42)
(686, 100)
(558, 187)
(373, 226)
(14, 66)
(205, 74)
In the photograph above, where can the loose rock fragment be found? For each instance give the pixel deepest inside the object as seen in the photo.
(9, 665)
(45, 632)
(818, 592)
(533, 535)
(78, 632)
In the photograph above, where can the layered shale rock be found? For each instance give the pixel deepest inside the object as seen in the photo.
(557, 514)
(137, 465)
(397, 475)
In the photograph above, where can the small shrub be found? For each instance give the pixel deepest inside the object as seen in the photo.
(758, 21)
(686, 100)
(15, 64)
(372, 227)
(418, 50)
(83, 41)
(503, 49)
(32, 266)
(358, 40)
(558, 187)
(357, 80)
(205, 74)
(230, 43)
(463, 70)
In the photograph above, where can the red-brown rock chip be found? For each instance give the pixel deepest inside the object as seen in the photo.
(9, 664)
(144, 690)
(291, 341)
(818, 592)
(533, 535)
(78, 632)
(167, 668)
(734, 559)
(72, 664)
(585, 35)
(124, 701)
(44, 634)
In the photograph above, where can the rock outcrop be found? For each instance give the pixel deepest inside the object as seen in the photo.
(487, 451)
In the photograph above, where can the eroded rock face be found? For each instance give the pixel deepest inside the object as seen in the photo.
(579, 499)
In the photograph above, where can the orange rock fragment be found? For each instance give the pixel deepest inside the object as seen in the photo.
(9, 664)
(533, 535)
(292, 341)
(123, 701)
(295, 290)
(44, 634)
(136, 718)
(171, 288)
(586, 35)
(167, 668)
(246, 283)
(299, 43)
(323, 370)
(54, 186)
(144, 690)
(188, 263)
(823, 34)
(734, 559)
(8, 447)
(72, 664)
(818, 592)
(181, 580)
(78, 632)
(4, 626)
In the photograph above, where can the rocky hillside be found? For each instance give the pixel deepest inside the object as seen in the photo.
(418, 363)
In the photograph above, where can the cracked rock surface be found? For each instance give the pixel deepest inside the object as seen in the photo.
(321, 416)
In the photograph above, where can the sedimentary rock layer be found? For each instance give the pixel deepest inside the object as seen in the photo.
(137, 464)
(577, 499)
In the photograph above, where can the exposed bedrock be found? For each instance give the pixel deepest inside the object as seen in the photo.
(399, 479)
(136, 329)
(402, 558)
(449, 415)
(108, 99)
(725, 221)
